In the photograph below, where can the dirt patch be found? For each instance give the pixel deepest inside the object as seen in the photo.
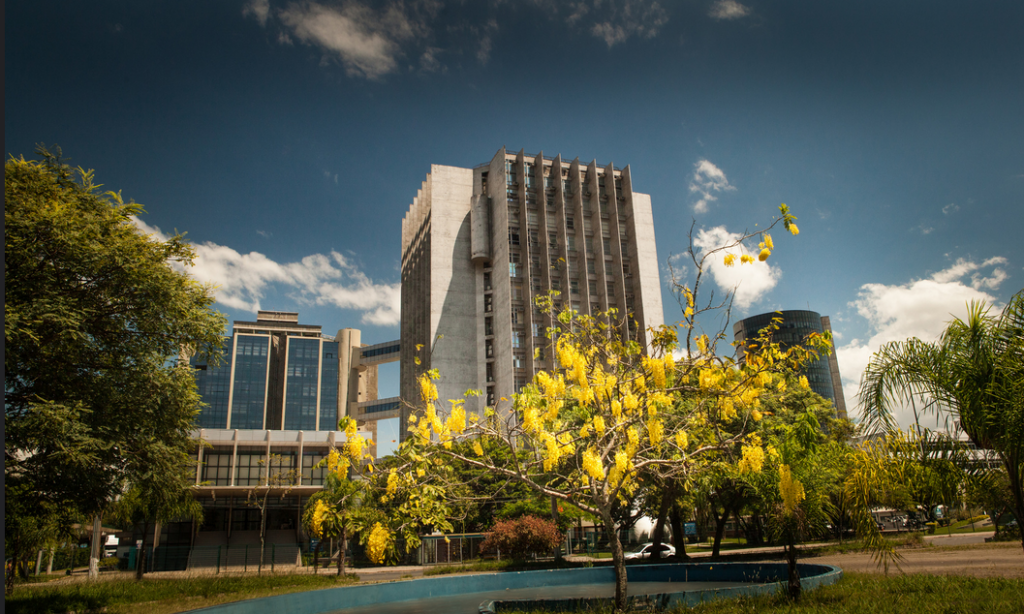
(989, 561)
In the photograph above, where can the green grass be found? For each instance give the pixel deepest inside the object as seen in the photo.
(873, 594)
(902, 540)
(158, 596)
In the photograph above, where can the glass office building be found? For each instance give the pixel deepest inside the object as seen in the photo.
(276, 374)
(823, 373)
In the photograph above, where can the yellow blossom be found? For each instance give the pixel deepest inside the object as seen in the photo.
(420, 472)
(655, 431)
(457, 419)
(792, 490)
(756, 415)
(478, 448)
(616, 409)
(746, 259)
(730, 260)
(682, 440)
(592, 464)
(377, 545)
(804, 383)
(585, 431)
(753, 459)
(768, 241)
(794, 230)
(599, 425)
(630, 402)
(392, 482)
(530, 421)
(764, 254)
(621, 462)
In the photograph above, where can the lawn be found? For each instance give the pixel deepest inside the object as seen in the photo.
(874, 594)
(158, 596)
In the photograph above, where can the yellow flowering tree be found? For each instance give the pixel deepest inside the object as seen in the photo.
(611, 412)
(332, 513)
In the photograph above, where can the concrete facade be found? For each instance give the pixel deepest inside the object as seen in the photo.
(480, 245)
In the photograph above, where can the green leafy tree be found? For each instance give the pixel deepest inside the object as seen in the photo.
(156, 499)
(97, 316)
(972, 378)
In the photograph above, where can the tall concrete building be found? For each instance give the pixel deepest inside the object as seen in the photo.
(823, 373)
(480, 244)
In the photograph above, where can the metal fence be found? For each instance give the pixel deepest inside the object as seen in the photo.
(217, 559)
(450, 550)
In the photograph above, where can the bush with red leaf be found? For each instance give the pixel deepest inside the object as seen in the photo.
(524, 535)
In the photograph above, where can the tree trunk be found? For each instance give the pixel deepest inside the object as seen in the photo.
(140, 563)
(618, 558)
(678, 532)
(263, 529)
(341, 550)
(794, 571)
(94, 548)
(719, 530)
(316, 557)
(659, 528)
(1017, 489)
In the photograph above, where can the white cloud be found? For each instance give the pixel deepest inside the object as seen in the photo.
(708, 180)
(621, 21)
(260, 9)
(728, 9)
(950, 208)
(367, 42)
(749, 281)
(242, 280)
(921, 308)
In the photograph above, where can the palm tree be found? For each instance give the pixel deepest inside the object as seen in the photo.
(972, 378)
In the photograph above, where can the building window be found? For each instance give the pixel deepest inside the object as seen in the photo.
(534, 237)
(489, 348)
(553, 240)
(515, 339)
(249, 470)
(311, 476)
(512, 269)
(490, 372)
(592, 286)
(488, 326)
(513, 236)
(487, 282)
(570, 241)
(217, 468)
(570, 223)
(252, 354)
(574, 286)
(607, 247)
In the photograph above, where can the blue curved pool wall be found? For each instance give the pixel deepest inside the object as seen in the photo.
(765, 579)
(771, 575)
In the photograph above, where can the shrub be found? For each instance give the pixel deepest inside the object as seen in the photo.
(522, 536)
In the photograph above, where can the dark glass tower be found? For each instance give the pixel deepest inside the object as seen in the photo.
(823, 373)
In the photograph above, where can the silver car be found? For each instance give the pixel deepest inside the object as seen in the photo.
(643, 551)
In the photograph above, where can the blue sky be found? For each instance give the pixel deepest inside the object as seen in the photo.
(289, 138)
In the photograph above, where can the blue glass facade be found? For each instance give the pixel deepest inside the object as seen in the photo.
(301, 378)
(214, 387)
(252, 356)
(329, 387)
(795, 327)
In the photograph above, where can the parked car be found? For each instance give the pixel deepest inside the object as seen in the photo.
(643, 551)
